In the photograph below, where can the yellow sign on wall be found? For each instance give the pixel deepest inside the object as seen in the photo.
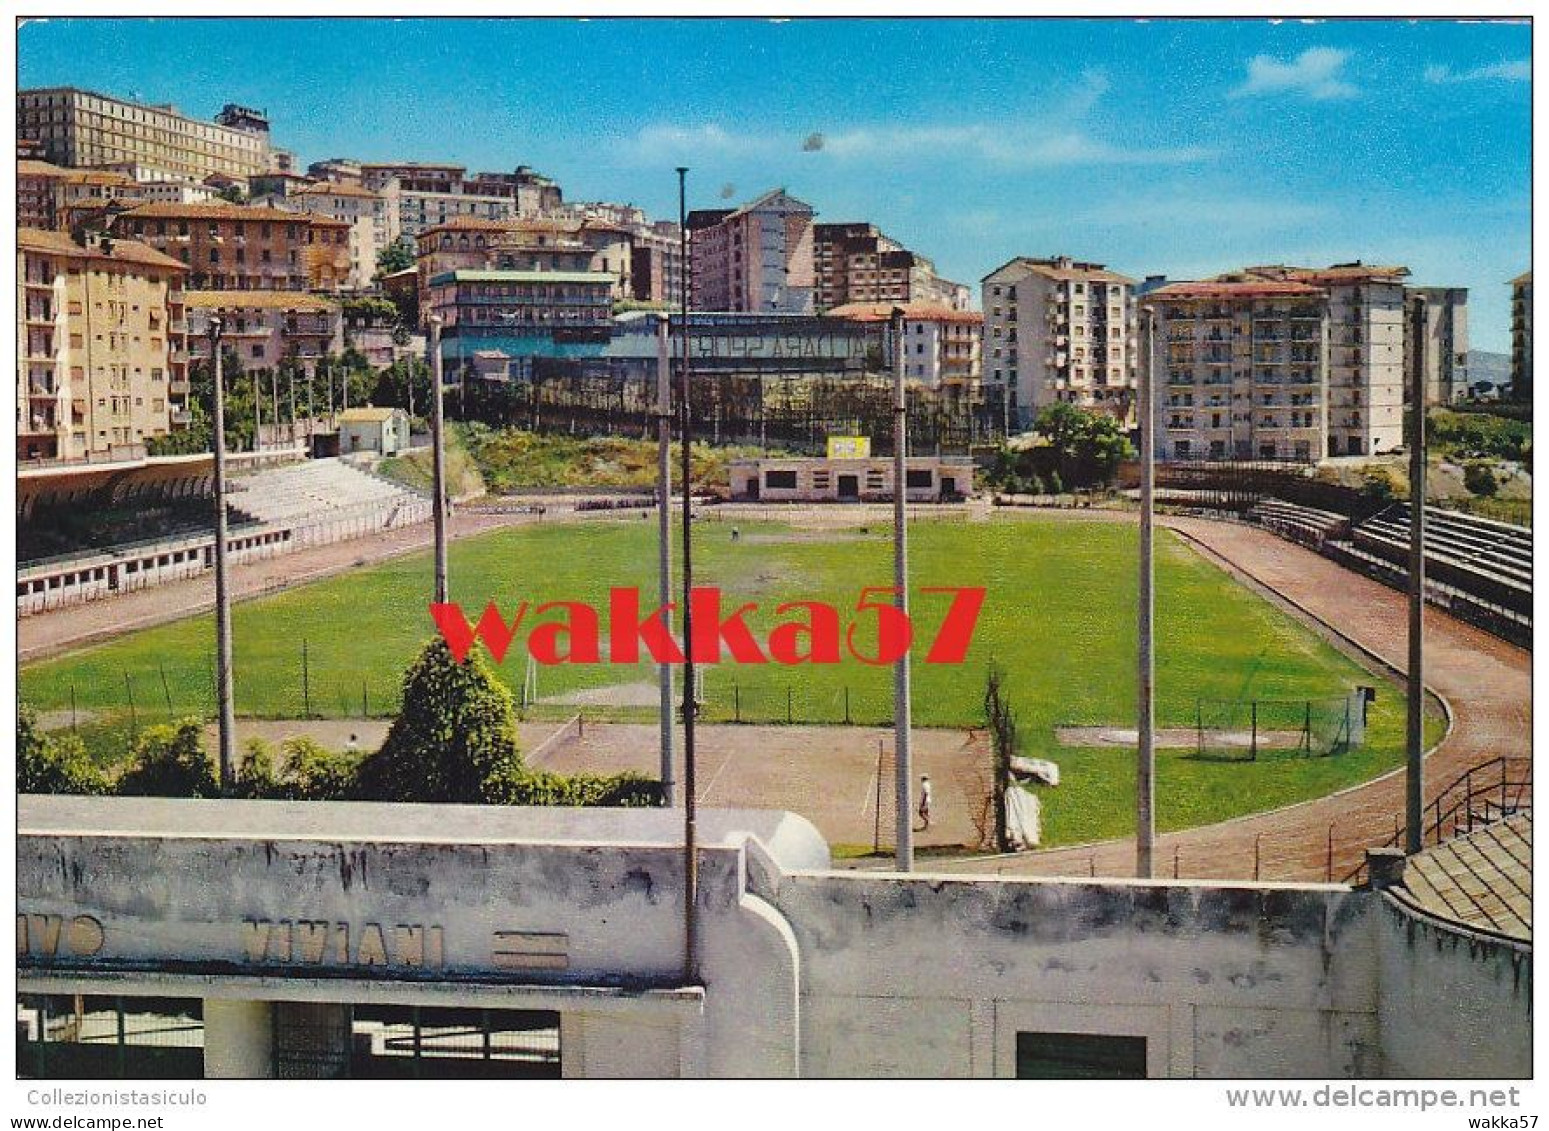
(849, 447)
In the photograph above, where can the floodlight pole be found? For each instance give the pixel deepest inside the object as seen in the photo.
(223, 693)
(902, 763)
(438, 459)
(664, 536)
(690, 830)
(1145, 769)
(1414, 776)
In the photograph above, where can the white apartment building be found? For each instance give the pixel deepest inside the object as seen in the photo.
(1242, 369)
(1277, 362)
(1059, 330)
(940, 345)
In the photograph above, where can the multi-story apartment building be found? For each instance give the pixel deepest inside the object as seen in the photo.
(101, 366)
(266, 328)
(1366, 352)
(336, 170)
(940, 345)
(1443, 345)
(1058, 330)
(36, 183)
(83, 127)
(656, 263)
(1241, 369)
(856, 263)
(232, 247)
(757, 258)
(50, 196)
(1281, 363)
(372, 226)
(427, 195)
(1522, 337)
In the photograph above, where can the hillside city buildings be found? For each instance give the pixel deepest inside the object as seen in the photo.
(101, 359)
(85, 128)
(1269, 361)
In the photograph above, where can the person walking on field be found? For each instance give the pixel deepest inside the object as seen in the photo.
(924, 801)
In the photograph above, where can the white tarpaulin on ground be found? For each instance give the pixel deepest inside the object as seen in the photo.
(1024, 818)
(1044, 772)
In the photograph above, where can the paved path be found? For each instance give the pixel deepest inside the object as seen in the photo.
(1486, 682)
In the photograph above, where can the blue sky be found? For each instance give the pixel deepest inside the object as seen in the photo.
(1159, 147)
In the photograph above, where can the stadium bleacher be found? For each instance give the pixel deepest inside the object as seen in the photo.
(274, 511)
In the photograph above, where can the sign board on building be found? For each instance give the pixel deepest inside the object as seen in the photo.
(849, 447)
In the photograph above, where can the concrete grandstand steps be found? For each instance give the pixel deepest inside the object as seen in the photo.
(314, 490)
(1307, 525)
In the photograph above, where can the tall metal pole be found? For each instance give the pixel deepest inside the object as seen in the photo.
(223, 693)
(438, 458)
(685, 438)
(292, 376)
(664, 537)
(903, 763)
(1414, 778)
(1145, 769)
(258, 417)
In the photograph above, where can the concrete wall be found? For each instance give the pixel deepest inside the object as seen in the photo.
(1452, 1004)
(800, 970)
(1247, 981)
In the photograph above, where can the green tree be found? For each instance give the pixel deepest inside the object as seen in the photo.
(454, 739)
(169, 760)
(52, 763)
(396, 256)
(1087, 446)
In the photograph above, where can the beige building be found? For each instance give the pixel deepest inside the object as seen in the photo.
(82, 127)
(373, 225)
(49, 196)
(1059, 330)
(265, 328)
(757, 258)
(1277, 362)
(101, 366)
(1242, 369)
(926, 479)
(1443, 343)
(1366, 352)
(1522, 337)
(941, 345)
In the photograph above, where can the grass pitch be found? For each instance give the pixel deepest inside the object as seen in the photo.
(1059, 618)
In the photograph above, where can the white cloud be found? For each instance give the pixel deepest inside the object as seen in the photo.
(1316, 73)
(1011, 146)
(1059, 141)
(1507, 70)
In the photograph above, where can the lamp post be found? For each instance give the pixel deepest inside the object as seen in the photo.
(1414, 774)
(223, 694)
(438, 458)
(902, 761)
(690, 829)
(664, 537)
(1145, 769)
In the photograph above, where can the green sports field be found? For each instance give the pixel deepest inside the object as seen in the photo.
(1059, 618)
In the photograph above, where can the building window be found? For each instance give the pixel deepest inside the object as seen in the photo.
(1080, 1056)
(780, 479)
